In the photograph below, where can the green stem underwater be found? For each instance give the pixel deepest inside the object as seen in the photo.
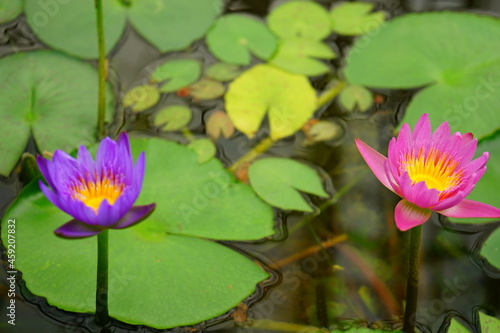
(101, 106)
(262, 147)
(410, 317)
(101, 297)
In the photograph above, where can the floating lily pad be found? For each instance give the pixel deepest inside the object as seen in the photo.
(460, 84)
(161, 274)
(142, 97)
(219, 124)
(234, 36)
(223, 72)
(278, 180)
(207, 89)
(169, 25)
(176, 74)
(289, 99)
(355, 18)
(43, 97)
(355, 96)
(486, 189)
(295, 55)
(173, 118)
(324, 130)
(205, 149)
(300, 19)
(488, 323)
(491, 249)
(456, 327)
(10, 9)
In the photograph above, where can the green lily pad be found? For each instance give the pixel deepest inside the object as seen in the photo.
(177, 73)
(355, 18)
(414, 51)
(355, 96)
(10, 9)
(206, 89)
(488, 323)
(234, 36)
(221, 71)
(142, 97)
(173, 118)
(278, 180)
(205, 149)
(491, 249)
(300, 19)
(219, 124)
(289, 99)
(486, 189)
(43, 97)
(160, 275)
(295, 55)
(170, 25)
(456, 327)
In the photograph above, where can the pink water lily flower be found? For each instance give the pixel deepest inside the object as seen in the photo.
(431, 172)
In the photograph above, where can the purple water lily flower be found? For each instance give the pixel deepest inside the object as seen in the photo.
(431, 172)
(98, 194)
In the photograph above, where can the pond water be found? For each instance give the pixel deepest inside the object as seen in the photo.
(358, 275)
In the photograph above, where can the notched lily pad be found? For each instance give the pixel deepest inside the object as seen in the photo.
(172, 118)
(296, 55)
(206, 89)
(300, 19)
(289, 100)
(355, 96)
(219, 124)
(221, 71)
(278, 180)
(323, 130)
(142, 97)
(176, 74)
(234, 36)
(355, 18)
(205, 149)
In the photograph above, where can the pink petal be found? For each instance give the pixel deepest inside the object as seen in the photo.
(451, 201)
(470, 209)
(375, 161)
(422, 130)
(408, 215)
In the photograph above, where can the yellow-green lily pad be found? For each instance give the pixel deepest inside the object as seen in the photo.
(356, 96)
(206, 89)
(221, 71)
(142, 97)
(172, 118)
(355, 18)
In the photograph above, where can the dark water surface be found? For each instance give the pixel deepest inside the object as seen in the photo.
(351, 283)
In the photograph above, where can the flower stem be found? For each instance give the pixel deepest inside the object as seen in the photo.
(101, 297)
(412, 286)
(101, 106)
(330, 93)
(262, 147)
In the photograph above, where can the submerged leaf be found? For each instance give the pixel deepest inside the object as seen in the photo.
(219, 124)
(300, 19)
(289, 99)
(277, 181)
(205, 149)
(176, 74)
(355, 96)
(355, 18)
(295, 55)
(172, 118)
(222, 72)
(459, 84)
(206, 89)
(142, 97)
(43, 97)
(234, 36)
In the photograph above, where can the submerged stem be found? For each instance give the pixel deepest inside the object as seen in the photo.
(262, 147)
(101, 297)
(412, 286)
(101, 106)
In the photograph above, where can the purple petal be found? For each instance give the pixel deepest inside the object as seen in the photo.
(107, 154)
(408, 215)
(51, 195)
(76, 229)
(135, 215)
(139, 170)
(375, 161)
(470, 209)
(86, 164)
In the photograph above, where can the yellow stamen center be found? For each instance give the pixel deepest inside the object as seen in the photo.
(92, 193)
(438, 170)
